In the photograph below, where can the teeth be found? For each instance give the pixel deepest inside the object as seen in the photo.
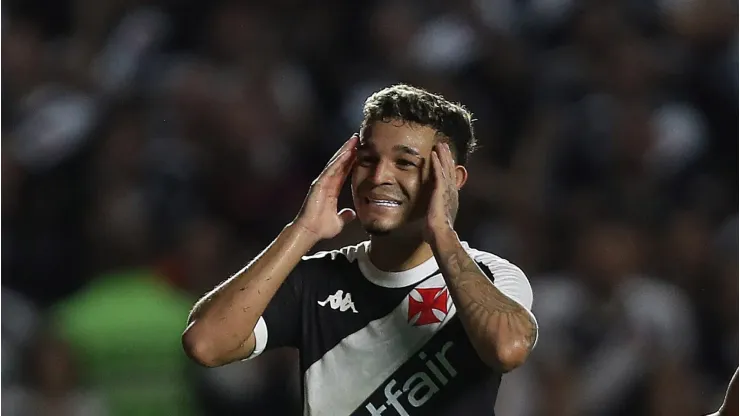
(385, 203)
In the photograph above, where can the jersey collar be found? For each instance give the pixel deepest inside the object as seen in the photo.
(394, 279)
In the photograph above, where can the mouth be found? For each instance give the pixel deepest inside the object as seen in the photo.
(384, 203)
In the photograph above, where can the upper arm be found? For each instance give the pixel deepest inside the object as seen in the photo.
(280, 323)
(509, 280)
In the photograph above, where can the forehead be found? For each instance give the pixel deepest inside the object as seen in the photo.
(384, 136)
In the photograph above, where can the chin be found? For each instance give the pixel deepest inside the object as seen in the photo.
(378, 228)
(377, 232)
(397, 229)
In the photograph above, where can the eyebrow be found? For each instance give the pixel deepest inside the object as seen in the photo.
(397, 148)
(406, 149)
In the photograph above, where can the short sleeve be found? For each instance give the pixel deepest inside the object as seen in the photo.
(280, 324)
(509, 280)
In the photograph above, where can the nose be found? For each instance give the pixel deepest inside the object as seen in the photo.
(382, 173)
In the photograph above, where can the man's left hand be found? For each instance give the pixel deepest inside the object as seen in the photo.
(444, 201)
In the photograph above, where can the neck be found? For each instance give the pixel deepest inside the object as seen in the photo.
(396, 254)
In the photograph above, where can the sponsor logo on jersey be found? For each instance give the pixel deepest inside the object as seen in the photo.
(428, 305)
(340, 301)
(402, 397)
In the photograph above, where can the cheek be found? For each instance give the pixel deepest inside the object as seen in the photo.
(414, 189)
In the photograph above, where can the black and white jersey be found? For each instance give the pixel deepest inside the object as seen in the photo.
(382, 343)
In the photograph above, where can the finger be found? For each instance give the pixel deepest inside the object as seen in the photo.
(452, 164)
(347, 216)
(351, 142)
(438, 171)
(345, 167)
(344, 156)
(348, 145)
(347, 149)
(447, 160)
(342, 164)
(332, 179)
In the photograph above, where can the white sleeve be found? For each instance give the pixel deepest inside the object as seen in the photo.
(510, 280)
(260, 338)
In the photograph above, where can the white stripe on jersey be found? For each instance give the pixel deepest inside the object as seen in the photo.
(367, 358)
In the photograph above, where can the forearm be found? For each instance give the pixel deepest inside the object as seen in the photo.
(499, 328)
(221, 323)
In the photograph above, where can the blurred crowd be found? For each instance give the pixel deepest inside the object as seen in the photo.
(153, 147)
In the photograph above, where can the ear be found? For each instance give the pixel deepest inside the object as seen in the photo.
(461, 176)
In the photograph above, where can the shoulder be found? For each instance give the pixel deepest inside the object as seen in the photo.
(506, 276)
(493, 262)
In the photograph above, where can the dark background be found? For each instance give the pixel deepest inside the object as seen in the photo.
(152, 148)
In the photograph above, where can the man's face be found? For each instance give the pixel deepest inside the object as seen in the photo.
(390, 186)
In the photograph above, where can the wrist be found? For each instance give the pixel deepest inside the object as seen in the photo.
(442, 237)
(301, 236)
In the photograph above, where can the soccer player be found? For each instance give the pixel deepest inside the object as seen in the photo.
(411, 322)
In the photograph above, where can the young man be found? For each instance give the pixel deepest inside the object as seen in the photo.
(413, 321)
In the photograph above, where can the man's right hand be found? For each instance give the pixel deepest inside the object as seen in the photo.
(222, 324)
(319, 214)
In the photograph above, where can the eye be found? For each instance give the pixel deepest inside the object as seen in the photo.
(366, 160)
(405, 164)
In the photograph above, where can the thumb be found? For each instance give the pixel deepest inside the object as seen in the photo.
(346, 216)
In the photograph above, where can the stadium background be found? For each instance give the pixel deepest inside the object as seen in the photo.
(151, 148)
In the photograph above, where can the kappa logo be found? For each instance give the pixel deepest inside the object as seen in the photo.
(428, 305)
(339, 301)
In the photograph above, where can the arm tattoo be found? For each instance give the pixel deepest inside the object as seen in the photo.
(488, 315)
